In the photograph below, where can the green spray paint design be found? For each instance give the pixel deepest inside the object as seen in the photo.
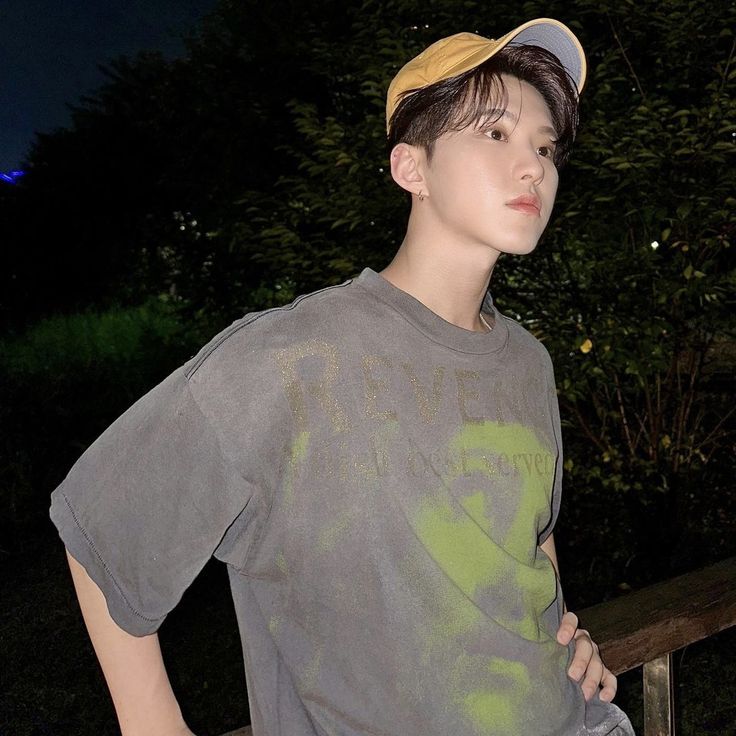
(461, 535)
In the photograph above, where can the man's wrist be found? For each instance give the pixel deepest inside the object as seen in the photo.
(161, 719)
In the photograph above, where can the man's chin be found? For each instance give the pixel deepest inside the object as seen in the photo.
(520, 249)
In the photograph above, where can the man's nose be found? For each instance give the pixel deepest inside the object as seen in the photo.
(529, 164)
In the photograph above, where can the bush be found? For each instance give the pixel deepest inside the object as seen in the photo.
(61, 384)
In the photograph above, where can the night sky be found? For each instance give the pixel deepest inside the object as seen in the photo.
(50, 51)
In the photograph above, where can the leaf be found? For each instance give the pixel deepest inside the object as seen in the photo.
(684, 210)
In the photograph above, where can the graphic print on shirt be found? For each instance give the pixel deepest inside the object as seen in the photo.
(493, 569)
(472, 502)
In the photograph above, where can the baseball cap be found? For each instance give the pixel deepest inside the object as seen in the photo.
(462, 52)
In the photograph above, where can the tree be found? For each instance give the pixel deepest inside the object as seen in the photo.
(255, 169)
(642, 322)
(632, 288)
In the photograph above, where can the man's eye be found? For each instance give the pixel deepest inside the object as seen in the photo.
(546, 151)
(495, 134)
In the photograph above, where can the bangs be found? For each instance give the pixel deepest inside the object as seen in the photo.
(482, 100)
(479, 98)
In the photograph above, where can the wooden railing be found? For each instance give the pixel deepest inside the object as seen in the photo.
(643, 628)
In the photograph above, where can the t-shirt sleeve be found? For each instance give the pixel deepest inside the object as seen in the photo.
(147, 504)
(557, 432)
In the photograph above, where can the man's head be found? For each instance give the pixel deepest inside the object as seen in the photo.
(456, 83)
(478, 130)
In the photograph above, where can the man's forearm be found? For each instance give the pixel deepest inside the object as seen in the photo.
(133, 666)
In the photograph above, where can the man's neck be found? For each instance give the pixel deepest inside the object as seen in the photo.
(450, 279)
(451, 285)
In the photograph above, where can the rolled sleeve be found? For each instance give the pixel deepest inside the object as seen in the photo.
(145, 507)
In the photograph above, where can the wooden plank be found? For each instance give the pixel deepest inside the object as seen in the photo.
(649, 623)
(239, 732)
(659, 697)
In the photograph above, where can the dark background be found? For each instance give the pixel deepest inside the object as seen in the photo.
(198, 178)
(50, 54)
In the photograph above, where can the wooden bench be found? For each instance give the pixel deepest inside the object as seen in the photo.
(643, 628)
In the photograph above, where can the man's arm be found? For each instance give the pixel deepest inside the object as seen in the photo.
(587, 666)
(133, 667)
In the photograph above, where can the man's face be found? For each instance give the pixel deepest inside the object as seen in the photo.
(474, 176)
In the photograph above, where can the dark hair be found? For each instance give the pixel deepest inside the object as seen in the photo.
(454, 104)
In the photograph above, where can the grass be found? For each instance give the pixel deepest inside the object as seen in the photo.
(84, 342)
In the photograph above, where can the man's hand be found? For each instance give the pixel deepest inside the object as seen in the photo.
(586, 667)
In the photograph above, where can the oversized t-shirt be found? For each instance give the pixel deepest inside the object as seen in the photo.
(378, 481)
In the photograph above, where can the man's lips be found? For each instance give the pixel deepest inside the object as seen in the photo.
(526, 203)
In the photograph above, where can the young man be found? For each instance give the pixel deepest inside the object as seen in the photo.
(378, 463)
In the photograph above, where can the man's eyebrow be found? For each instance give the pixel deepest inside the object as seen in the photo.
(510, 115)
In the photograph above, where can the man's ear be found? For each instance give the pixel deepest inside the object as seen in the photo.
(407, 166)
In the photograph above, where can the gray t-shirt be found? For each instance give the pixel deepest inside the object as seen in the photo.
(378, 481)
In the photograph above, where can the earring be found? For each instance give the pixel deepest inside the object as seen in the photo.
(421, 196)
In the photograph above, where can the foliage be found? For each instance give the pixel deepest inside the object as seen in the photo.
(632, 288)
(641, 322)
(254, 169)
(61, 384)
(81, 342)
